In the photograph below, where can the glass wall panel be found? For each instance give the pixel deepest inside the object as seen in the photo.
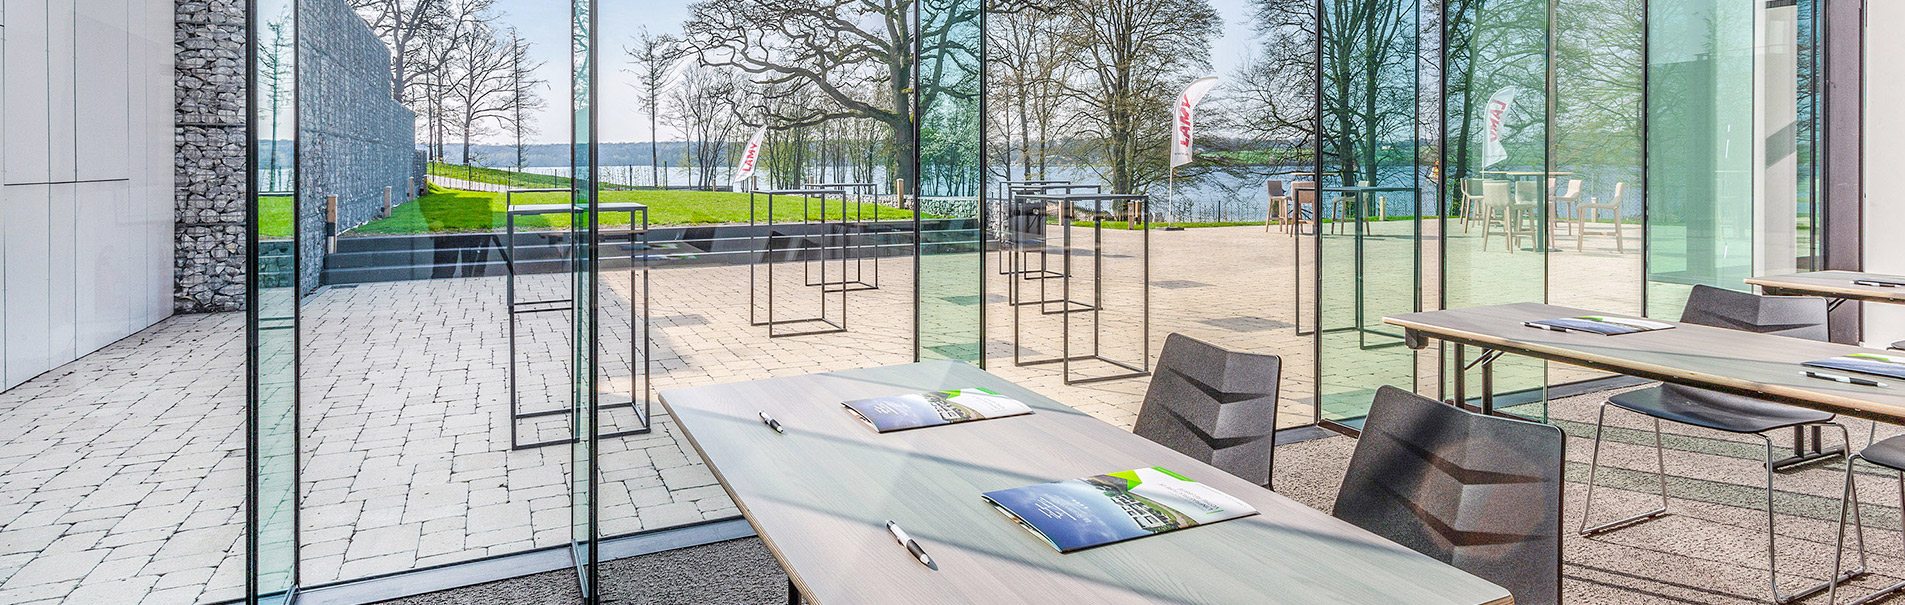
(950, 257)
(271, 508)
(439, 314)
(1596, 149)
(1700, 147)
(1496, 107)
(584, 245)
(1367, 265)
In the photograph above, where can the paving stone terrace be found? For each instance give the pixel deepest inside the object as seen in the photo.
(125, 474)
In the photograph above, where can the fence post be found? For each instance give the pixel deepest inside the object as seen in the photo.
(387, 205)
(330, 224)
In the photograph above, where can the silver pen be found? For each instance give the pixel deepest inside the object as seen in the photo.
(772, 423)
(1845, 379)
(907, 541)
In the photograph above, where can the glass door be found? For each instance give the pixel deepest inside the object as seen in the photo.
(1496, 194)
(584, 249)
(949, 221)
(271, 487)
(1368, 242)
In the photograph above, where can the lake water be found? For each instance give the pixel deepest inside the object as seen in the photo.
(1234, 195)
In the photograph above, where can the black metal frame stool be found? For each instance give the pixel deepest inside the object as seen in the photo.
(827, 242)
(640, 353)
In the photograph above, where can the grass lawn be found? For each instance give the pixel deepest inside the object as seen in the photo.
(448, 211)
(519, 180)
(274, 216)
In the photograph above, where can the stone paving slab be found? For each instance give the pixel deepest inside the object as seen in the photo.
(128, 472)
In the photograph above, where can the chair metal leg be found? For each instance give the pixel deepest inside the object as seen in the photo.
(1851, 498)
(793, 593)
(1594, 461)
(1772, 538)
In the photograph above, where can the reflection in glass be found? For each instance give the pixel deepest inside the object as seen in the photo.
(1366, 266)
(583, 231)
(1699, 149)
(1496, 168)
(949, 259)
(271, 509)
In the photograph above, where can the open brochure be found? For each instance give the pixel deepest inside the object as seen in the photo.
(937, 408)
(1098, 510)
(1889, 366)
(1599, 324)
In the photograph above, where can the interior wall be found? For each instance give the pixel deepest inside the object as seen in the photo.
(86, 158)
(1884, 213)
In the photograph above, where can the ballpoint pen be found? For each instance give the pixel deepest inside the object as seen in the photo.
(1845, 379)
(907, 541)
(772, 423)
(1545, 327)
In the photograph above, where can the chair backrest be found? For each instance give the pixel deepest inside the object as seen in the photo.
(1495, 193)
(1795, 316)
(1214, 405)
(1305, 191)
(1276, 188)
(1470, 186)
(1574, 190)
(1482, 493)
(1528, 191)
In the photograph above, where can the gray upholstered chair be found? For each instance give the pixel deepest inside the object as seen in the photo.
(1794, 316)
(1214, 405)
(1482, 493)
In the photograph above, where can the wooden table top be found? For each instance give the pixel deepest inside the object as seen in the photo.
(820, 494)
(1762, 365)
(1834, 284)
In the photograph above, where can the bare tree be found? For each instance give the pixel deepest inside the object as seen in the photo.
(827, 45)
(706, 105)
(1030, 65)
(274, 60)
(655, 57)
(480, 82)
(523, 99)
(1137, 54)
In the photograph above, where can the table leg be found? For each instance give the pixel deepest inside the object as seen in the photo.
(1461, 376)
(1803, 454)
(1488, 383)
(793, 593)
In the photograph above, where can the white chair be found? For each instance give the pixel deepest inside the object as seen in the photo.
(1499, 210)
(1471, 210)
(1560, 207)
(1590, 212)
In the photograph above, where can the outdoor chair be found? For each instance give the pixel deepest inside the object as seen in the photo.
(1279, 207)
(1562, 206)
(1591, 212)
(1482, 493)
(1471, 203)
(1797, 317)
(1215, 405)
(1304, 196)
(1500, 210)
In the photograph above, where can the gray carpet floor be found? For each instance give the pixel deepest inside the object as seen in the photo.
(1711, 548)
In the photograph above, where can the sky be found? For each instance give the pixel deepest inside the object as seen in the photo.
(545, 23)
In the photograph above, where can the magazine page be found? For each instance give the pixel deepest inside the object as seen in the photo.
(1889, 366)
(1082, 513)
(936, 408)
